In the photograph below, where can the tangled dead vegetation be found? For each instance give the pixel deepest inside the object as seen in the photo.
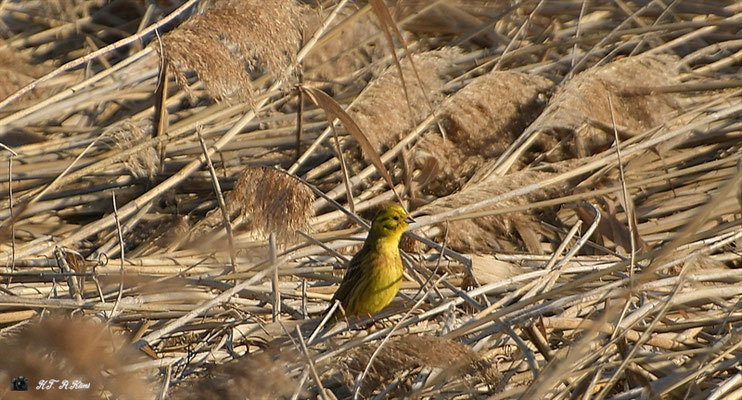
(73, 350)
(406, 354)
(261, 375)
(572, 168)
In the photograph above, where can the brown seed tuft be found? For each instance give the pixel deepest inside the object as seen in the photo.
(340, 55)
(72, 349)
(582, 101)
(142, 163)
(272, 201)
(233, 38)
(382, 111)
(480, 120)
(495, 233)
(17, 71)
(256, 376)
(485, 116)
(17, 137)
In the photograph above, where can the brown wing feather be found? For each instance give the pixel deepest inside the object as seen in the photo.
(352, 277)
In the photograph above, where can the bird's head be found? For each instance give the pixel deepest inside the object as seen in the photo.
(390, 222)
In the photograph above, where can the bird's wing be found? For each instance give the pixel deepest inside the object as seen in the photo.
(352, 276)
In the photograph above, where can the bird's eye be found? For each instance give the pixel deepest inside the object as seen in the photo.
(396, 218)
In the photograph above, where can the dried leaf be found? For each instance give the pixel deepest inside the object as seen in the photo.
(333, 109)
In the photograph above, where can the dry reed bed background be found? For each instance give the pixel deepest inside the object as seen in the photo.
(501, 138)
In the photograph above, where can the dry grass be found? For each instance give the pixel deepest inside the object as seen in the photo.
(504, 151)
(414, 352)
(259, 376)
(73, 349)
(233, 38)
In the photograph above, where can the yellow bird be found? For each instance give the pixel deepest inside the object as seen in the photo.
(374, 274)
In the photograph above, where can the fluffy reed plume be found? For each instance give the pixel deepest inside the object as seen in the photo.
(72, 349)
(142, 163)
(232, 35)
(480, 120)
(382, 110)
(498, 232)
(255, 376)
(272, 202)
(581, 106)
(410, 352)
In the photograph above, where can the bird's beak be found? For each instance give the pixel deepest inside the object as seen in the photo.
(409, 220)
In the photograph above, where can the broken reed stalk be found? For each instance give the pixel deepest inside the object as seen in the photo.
(121, 257)
(220, 200)
(155, 336)
(274, 266)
